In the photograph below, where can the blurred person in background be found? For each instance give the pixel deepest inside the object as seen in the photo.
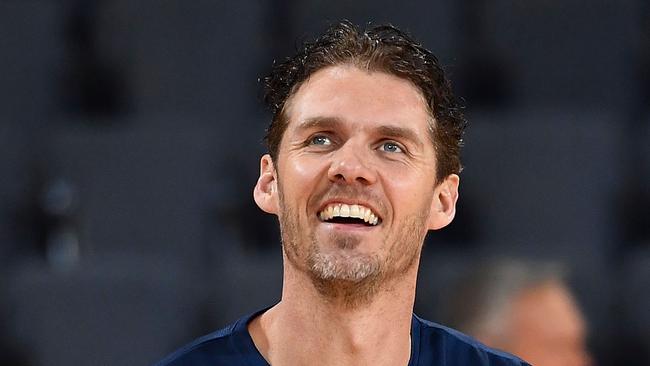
(525, 308)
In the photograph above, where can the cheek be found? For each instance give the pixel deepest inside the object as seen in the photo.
(299, 176)
(409, 189)
(306, 169)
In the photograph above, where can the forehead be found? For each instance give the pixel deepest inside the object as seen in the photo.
(359, 97)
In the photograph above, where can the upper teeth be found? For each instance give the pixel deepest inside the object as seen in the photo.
(343, 210)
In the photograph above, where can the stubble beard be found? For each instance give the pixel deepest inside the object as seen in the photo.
(345, 277)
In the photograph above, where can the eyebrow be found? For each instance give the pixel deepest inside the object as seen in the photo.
(392, 131)
(320, 122)
(400, 133)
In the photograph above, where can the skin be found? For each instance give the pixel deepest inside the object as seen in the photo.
(546, 328)
(353, 136)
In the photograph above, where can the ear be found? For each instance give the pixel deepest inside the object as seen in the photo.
(443, 203)
(265, 192)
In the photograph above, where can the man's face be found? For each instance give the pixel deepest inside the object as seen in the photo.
(355, 178)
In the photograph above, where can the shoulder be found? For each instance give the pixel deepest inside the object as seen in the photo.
(459, 349)
(206, 350)
(231, 345)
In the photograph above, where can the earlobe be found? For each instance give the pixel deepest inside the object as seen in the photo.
(265, 192)
(443, 204)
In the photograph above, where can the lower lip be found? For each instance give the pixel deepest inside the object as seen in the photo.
(347, 227)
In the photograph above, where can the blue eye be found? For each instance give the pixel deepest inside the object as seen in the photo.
(391, 147)
(321, 140)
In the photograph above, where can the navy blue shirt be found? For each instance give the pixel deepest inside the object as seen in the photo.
(431, 344)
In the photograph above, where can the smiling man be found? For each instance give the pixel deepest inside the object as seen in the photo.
(363, 161)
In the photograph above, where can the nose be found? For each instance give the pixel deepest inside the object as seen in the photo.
(350, 164)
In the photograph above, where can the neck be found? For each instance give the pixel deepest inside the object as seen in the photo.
(331, 331)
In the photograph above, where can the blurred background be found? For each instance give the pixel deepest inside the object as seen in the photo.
(130, 133)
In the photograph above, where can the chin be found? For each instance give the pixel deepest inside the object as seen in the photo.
(344, 266)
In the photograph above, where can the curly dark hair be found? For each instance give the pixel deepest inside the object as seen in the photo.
(381, 48)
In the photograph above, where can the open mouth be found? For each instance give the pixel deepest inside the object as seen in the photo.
(341, 213)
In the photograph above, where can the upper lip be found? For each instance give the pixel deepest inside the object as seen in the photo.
(350, 201)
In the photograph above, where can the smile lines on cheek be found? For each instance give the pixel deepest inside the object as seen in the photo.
(342, 210)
